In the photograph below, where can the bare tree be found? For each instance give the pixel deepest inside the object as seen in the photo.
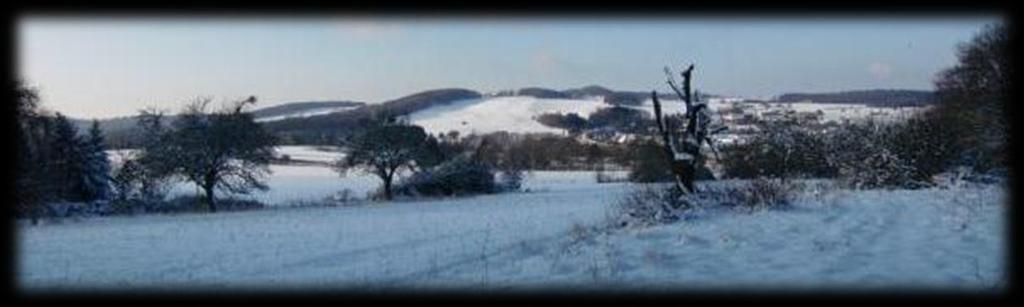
(383, 149)
(224, 150)
(683, 146)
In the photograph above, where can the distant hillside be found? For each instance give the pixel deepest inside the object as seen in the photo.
(588, 91)
(298, 108)
(121, 131)
(612, 97)
(107, 125)
(322, 129)
(881, 97)
(324, 122)
(538, 92)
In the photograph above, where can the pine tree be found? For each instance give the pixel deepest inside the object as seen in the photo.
(67, 162)
(96, 177)
(31, 184)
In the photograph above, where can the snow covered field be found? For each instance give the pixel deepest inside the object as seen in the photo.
(948, 239)
(382, 244)
(319, 154)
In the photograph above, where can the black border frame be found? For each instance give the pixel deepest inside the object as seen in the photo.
(518, 10)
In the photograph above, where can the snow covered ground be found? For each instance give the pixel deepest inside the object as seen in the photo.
(296, 184)
(381, 244)
(946, 240)
(949, 239)
(319, 154)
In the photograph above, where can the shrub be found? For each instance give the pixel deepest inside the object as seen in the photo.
(904, 154)
(620, 98)
(881, 169)
(458, 176)
(600, 176)
(760, 193)
(785, 148)
(571, 122)
(192, 203)
(870, 155)
(510, 180)
(651, 164)
(77, 209)
(620, 118)
(924, 142)
(650, 205)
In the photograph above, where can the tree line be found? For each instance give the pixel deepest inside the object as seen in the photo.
(55, 163)
(966, 128)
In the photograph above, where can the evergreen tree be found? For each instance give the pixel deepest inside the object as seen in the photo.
(96, 179)
(68, 160)
(31, 184)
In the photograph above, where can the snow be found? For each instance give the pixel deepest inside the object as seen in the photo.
(296, 184)
(320, 154)
(384, 244)
(513, 114)
(307, 113)
(950, 238)
(291, 183)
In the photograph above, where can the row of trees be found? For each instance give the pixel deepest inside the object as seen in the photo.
(222, 150)
(866, 154)
(618, 118)
(55, 163)
(445, 165)
(966, 128)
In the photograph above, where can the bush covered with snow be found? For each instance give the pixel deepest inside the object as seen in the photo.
(862, 155)
(650, 204)
(197, 204)
(459, 176)
(873, 155)
(760, 193)
(785, 148)
(78, 209)
(510, 180)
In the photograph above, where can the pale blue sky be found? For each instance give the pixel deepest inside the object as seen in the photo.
(104, 67)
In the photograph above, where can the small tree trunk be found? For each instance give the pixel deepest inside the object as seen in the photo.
(210, 199)
(387, 186)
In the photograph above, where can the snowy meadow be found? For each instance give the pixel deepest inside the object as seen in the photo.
(551, 236)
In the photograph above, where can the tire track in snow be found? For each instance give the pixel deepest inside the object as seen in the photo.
(333, 259)
(863, 237)
(465, 261)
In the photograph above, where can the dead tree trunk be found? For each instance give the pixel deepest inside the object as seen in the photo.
(684, 150)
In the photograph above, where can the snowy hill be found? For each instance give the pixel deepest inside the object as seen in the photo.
(303, 109)
(513, 114)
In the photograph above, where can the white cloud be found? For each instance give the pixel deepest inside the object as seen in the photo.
(543, 62)
(880, 70)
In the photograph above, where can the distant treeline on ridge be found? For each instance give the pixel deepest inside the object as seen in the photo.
(887, 97)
